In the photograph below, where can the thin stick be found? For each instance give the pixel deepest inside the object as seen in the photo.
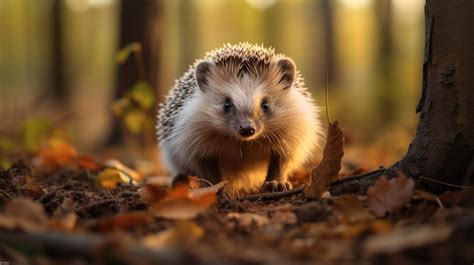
(446, 184)
(327, 97)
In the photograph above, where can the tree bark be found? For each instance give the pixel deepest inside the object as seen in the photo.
(443, 147)
(330, 46)
(139, 22)
(58, 87)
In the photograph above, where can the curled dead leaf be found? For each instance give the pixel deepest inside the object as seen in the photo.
(24, 214)
(328, 170)
(151, 193)
(56, 154)
(183, 203)
(390, 196)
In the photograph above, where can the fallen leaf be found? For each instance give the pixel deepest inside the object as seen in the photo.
(113, 163)
(182, 208)
(348, 209)
(406, 238)
(123, 221)
(87, 162)
(25, 214)
(389, 196)
(328, 170)
(183, 203)
(31, 188)
(248, 220)
(183, 232)
(56, 154)
(359, 229)
(151, 193)
(110, 177)
(65, 217)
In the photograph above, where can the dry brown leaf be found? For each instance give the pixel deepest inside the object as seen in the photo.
(151, 193)
(183, 203)
(87, 162)
(184, 232)
(25, 214)
(65, 217)
(248, 220)
(348, 209)
(389, 196)
(124, 220)
(406, 238)
(328, 170)
(56, 154)
(359, 229)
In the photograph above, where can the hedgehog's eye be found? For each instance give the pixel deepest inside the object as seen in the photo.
(228, 105)
(265, 106)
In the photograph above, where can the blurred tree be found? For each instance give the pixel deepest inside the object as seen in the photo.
(442, 151)
(188, 19)
(385, 91)
(330, 59)
(443, 147)
(58, 86)
(139, 21)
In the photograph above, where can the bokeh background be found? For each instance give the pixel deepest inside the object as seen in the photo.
(59, 68)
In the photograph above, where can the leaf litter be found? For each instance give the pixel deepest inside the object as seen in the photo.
(73, 199)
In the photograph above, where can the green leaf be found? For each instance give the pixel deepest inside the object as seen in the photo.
(134, 121)
(142, 93)
(124, 53)
(120, 106)
(35, 132)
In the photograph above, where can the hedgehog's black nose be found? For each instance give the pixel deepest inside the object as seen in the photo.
(246, 131)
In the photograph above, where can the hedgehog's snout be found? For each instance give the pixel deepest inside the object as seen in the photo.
(247, 128)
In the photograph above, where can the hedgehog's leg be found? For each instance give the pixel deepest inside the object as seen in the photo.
(209, 170)
(277, 175)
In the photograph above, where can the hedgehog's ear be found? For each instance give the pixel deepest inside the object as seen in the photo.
(202, 72)
(287, 69)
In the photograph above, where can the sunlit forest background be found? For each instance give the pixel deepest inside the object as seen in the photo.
(59, 69)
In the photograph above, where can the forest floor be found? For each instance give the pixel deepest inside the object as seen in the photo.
(57, 207)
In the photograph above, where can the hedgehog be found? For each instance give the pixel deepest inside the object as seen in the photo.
(241, 114)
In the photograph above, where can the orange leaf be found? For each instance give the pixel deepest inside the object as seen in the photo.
(328, 170)
(123, 220)
(183, 204)
(151, 193)
(87, 162)
(389, 196)
(56, 154)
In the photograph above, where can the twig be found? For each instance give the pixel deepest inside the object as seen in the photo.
(327, 97)
(446, 184)
(6, 193)
(272, 195)
(358, 183)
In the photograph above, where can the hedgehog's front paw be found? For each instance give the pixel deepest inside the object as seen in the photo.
(275, 185)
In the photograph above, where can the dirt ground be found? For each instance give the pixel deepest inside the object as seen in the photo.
(66, 217)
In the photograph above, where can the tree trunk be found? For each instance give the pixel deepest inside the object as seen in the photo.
(385, 90)
(443, 147)
(138, 23)
(330, 59)
(58, 87)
